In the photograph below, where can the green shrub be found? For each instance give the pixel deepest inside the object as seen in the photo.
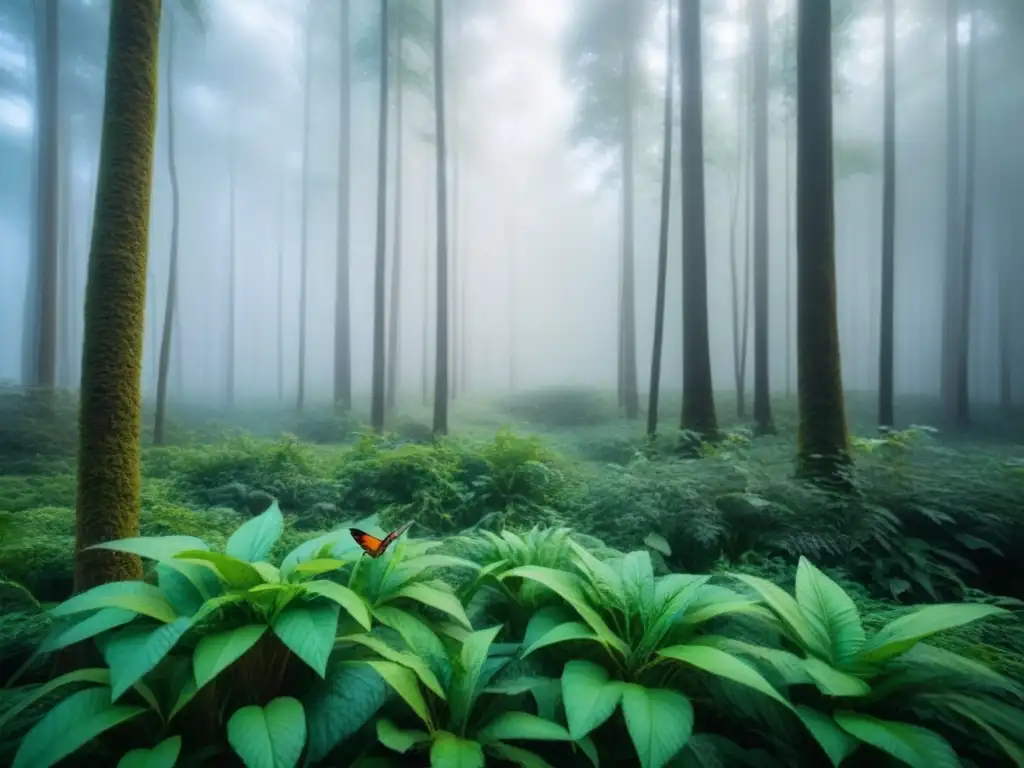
(559, 407)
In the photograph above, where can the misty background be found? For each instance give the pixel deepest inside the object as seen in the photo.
(536, 238)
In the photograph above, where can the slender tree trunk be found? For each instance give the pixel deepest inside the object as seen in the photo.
(823, 450)
(342, 310)
(1006, 304)
(885, 362)
(456, 276)
(963, 413)
(734, 207)
(762, 385)
(396, 246)
(698, 413)
(424, 339)
(160, 421)
(950, 308)
(512, 256)
(629, 385)
(377, 392)
(232, 280)
(66, 293)
(111, 400)
(666, 197)
(788, 128)
(441, 345)
(304, 220)
(280, 287)
(44, 375)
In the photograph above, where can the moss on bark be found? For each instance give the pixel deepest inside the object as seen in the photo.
(111, 400)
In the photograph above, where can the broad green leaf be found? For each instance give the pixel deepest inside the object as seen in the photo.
(435, 598)
(215, 653)
(71, 724)
(404, 683)
(319, 566)
(832, 682)
(420, 639)
(202, 575)
(449, 751)
(157, 548)
(309, 550)
(397, 739)
(466, 679)
(133, 651)
(590, 696)
(163, 755)
(565, 586)
(659, 722)
(353, 604)
(546, 619)
(269, 572)
(236, 573)
(96, 675)
(788, 666)
(713, 610)
(405, 658)
(830, 612)
(180, 592)
(1009, 748)
(524, 758)
(308, 631)
(522, 725)
(718, 662)
(836, 742)
(599, 573)
(563, 633)
(340, 704)
(130, 595)
(68, 634)
(916, 746)
(636, 575)
(255, 538)
(269, 737)
(658, 543)
(788, 612)
(902, 634)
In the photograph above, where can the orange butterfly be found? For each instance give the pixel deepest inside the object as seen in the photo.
(373, 546)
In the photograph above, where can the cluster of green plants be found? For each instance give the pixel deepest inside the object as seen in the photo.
(536, 649)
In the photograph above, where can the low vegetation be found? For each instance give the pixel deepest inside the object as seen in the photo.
(569, 595)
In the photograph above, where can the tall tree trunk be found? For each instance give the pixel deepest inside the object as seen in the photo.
(762, 386)
(456, 276)
(823, 449)
(950, 308)
(111, 398)
(630, 392)
(666, 196)
(377, 390)
(963, 413)
(512, 256)
(1006, 304)
(160, 422)
(66, 251)
(232, 279)
(885, 361)
(424, 339)
(44, 374)
(300, 402)
(698, 412)
(788, 130)
(342, 311)
(441, 345)
(280, 286)
(738, 351)
(396, 245)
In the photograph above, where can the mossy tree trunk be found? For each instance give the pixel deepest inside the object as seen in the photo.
(111, 399)
(886, 416)
(666, 195)
(823, 450)
(377, 399)
(698, 413)
(395, 313)
(441, 345)
(760, 32)
(342, 311)
(167, 335)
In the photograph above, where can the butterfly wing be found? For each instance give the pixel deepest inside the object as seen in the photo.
(371, 545)
(394, 535)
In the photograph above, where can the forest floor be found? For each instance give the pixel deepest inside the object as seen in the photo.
(935, 517)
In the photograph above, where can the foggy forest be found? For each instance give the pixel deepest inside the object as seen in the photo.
(511, 382)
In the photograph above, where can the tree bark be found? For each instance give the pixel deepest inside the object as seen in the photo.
(342, 310)
(160, 421)
(666, 195)
(377, 391)
(764, 424)
(396, 245)
(300, 402)
(111, 399)
(885, 362)
(823, 450)
(950, 308)
(630, 393)
(441, 362)
(698, 412)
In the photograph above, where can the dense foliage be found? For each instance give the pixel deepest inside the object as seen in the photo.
(570, 597)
